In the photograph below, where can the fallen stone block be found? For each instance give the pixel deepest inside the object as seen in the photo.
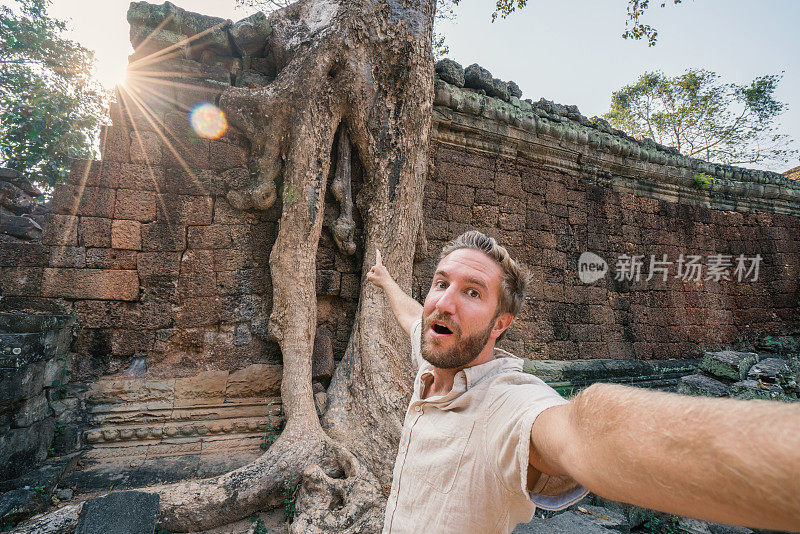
(124, 512)
(728, 364)
(754, 389)
(701, 385)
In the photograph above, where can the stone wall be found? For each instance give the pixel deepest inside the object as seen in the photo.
(170, 283)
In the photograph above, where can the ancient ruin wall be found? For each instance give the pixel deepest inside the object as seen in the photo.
(170, 283)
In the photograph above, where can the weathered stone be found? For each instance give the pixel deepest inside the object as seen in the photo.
(94, 232)
(257, 380)
(328, 282)
(321, 402)
(322, 363)
(499, 90)
(126, 235)
(99, 284)
(60, 230)
(19, 504)
(771, 370)
(163, 237)
(702, 385)
(31, 411)
(565, 523)
(20, 226)
(155, 27)
(74, 257)
(514, 90)
(476, 77)
(755, 389)
(689, 525)
(124, 512)
(213, 236)
(64, 494)
(15, 199)
(23, 254)
(24, 449)
(87, 201)
(728, 364)
(145, 147)
(135, 205)
(450, 71)
(250, 34)
(106, 258)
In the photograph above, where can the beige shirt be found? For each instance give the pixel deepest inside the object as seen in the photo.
(462, 463)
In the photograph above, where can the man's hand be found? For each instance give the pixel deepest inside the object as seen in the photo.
(379, 275)
(406, 310)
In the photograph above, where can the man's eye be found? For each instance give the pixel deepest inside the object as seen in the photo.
(440, 285)
(474, 294)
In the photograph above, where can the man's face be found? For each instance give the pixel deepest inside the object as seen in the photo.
(460, 312)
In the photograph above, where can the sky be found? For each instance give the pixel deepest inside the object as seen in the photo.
(567, 51)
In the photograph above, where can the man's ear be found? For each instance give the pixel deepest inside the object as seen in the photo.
(502, 322)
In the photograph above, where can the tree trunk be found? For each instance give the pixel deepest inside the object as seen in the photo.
(363, 68)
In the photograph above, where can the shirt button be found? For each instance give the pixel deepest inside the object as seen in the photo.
(419, 408)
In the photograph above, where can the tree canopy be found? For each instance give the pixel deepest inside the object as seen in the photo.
(50, 103)
(701, 116)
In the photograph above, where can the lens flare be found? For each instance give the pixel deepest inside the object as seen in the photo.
(208, 121)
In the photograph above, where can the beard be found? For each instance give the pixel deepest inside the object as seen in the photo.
(465, 350)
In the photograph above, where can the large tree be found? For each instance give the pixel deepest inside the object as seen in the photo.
(703, 117)
(50, 104)
(358, 73)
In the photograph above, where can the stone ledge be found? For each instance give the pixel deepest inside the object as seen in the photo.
(484, 124)
(100, 284)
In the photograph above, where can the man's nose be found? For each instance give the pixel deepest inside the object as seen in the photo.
(446, 303)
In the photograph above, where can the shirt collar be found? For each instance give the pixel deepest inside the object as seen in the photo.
(467, 378)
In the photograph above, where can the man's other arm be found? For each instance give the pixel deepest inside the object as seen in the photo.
(723, 460)
(406, 310)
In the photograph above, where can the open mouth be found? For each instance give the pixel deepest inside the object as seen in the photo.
(441, 329)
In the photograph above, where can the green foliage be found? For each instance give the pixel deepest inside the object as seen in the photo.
(702, 117)
(271, 433)
(703, 181)
(634, 28)
(258, 525)
(40, 489)
(59, 428)
(50, 104)
(289, 492)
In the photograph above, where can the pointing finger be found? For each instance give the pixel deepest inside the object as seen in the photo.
(378, 259)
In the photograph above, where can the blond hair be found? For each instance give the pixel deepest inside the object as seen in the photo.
(514, 284)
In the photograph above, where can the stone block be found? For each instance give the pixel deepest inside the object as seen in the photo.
(728, 364)
(197, 311)
(135, 205)
(185, 209)
(22, 227)
(200, 284)
(123, 512)
(258, 380)
(101, 284)
(328, 282)
(93, 173)
(126, 235)
(20, 281)
(87, 201)
(702, 385)
(461, 195)
(24, 255)
(115, 143)
(214, 236)
(24, 449)
(31, 411)
(163, 237)
(94, 232)
(189, 152)
(60, 230)
(322, 363)
(243, 282)
(135, 176)
(145, 147)
(68, 257)
(226, 155)
(159, 264)
(209, 386)
(351, 286)
(131, 342)
(106, 258)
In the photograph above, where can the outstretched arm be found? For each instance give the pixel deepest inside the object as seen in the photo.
(406, 310)
(735, 462)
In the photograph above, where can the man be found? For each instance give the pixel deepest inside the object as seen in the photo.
(483, 443)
